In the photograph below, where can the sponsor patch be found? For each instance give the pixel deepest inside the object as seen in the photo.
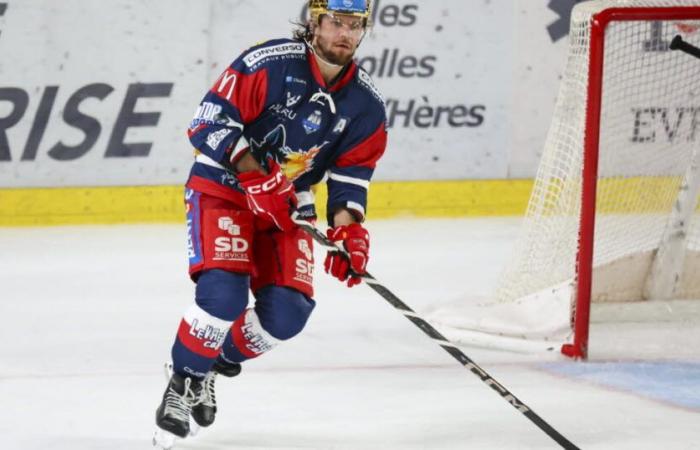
(366, 81)
(226, 84)
(232, 247)
(202, 333)
(304, 267)
(256, 56)
(215, 139)
(250, 336)
(194, 244)
(207, 114)
(291, 79)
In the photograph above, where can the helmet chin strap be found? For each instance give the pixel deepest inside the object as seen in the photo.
(321, 58)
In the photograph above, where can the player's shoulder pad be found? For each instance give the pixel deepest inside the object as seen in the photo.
(365, 81)
(270, 52)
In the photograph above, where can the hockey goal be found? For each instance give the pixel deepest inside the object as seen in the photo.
(613, 213)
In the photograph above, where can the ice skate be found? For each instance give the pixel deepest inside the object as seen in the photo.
(173, 414)
(204, 412)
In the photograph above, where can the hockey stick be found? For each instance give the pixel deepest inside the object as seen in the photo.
(679, 44)
(428, 329)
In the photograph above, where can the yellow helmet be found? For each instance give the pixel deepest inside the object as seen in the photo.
(357, 8)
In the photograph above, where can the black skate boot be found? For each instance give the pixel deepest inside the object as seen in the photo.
(204, 412)
(173, 414)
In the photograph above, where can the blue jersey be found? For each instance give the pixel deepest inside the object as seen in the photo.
(273, 102)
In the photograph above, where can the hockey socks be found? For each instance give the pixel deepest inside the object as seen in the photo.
(199, 340)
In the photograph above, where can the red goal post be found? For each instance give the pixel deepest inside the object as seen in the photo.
(599, 23)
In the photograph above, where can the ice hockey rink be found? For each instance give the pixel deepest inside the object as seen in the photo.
(89, 314)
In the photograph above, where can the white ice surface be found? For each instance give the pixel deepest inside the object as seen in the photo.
(89, 313)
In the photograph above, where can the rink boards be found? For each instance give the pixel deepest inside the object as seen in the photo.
(387, 199)
(152, 204)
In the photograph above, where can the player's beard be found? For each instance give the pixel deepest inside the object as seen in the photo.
(334, 54)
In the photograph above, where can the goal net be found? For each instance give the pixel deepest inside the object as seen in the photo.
(613, 212)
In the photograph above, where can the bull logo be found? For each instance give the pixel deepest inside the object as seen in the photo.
(295, 163)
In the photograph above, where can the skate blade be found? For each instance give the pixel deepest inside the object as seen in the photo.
(194, 427)
(164, 440)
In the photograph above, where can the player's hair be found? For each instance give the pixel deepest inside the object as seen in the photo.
(302, 31)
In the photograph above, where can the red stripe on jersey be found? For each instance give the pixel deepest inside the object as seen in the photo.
(239, 339)
(193, 344)
(316, 71)
(217, 190)
(367, 153)
(247, 93)
(191, 132)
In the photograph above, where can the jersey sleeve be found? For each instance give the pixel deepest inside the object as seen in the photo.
(235, 100)
(350, 175)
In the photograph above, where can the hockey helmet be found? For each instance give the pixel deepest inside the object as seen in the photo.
(357, 8)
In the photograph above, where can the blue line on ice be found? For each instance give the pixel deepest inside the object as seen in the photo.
(677, 383)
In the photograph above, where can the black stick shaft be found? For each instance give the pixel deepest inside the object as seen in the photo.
(450, 348)
(679, 44)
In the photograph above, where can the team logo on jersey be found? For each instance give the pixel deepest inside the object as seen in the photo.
(229, 178)
(298, 163)
(295, 163)
(313, 123)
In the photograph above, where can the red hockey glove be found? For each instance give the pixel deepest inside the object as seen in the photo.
(355, 240)
(270, 197)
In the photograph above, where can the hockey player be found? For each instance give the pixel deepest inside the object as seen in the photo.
(282, 116)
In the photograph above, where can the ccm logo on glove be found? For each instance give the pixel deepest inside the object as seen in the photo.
(267, 186)
(270, 196)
